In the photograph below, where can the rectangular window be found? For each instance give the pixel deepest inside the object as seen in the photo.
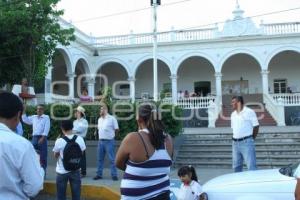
(280, 86)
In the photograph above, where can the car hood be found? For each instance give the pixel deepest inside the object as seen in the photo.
(248, 177)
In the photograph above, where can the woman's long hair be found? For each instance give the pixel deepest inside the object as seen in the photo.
(153, 123)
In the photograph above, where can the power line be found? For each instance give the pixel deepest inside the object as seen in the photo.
(126, 12)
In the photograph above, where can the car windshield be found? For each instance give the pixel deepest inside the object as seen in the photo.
(290, 169)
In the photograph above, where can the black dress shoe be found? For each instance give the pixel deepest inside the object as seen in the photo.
(97, 177)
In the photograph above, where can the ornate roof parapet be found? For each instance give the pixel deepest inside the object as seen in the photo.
(239, 26)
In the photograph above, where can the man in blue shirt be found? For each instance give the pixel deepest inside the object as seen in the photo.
(19, 129)
(40, 129)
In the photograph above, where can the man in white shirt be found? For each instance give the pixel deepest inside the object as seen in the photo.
(40, 129)
(80, 127)
(63, 176)
(107, 128)
(20, 171)
(245, 127)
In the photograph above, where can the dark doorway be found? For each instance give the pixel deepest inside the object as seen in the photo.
(202, 88)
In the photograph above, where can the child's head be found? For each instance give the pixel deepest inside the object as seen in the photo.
(187, 174)
(66, 126)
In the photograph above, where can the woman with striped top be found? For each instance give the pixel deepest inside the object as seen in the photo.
(145, 156)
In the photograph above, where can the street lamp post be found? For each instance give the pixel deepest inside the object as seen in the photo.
(154, 4)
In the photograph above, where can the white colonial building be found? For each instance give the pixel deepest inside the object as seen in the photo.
(237, 58)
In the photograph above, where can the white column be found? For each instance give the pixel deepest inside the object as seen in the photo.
(173, 78)
(71, 84)
(265, 81)
(132, 88)
(218, 76)
(91, 87)
(48, 84)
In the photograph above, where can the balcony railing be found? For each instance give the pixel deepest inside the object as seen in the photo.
(281, 28)
(190, 35)
(147, 38)
(195, 102)
(287, 99)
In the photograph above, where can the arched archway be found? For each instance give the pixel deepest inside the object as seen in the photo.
(61, 67)
(82, 73)
(144, 78)
(284, 73)
(113, 72)
(196, 75)
(241, 75)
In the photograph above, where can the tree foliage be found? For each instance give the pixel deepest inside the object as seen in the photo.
(29, 34)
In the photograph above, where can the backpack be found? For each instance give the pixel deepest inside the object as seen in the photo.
(72, 154)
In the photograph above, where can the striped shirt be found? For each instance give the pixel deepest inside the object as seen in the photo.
(147, 179)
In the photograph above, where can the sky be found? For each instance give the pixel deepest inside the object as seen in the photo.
(98, 17)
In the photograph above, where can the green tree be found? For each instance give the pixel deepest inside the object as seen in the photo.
(29, 34)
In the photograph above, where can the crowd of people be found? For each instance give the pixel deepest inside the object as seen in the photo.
(144, 155)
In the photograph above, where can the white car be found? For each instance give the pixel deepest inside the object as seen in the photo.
(270, 184)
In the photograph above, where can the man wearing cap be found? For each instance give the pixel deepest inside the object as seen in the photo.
(80, 127)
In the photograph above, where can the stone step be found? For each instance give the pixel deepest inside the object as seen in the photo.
(228, 150)
(229, 143)
(213, 148)
(227, 164)
(276, 152)
(229, 156)
(257, 140)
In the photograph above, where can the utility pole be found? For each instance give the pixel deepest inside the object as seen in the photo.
(154, 4)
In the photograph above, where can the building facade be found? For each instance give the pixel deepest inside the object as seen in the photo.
(208, 64)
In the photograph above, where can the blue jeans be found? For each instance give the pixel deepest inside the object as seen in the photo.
(106, 146)
(62, 182)
(243, 150)
(42, 149)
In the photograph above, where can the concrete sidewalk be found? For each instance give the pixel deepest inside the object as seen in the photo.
(203, 175)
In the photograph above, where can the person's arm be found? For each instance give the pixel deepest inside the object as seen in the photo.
(297, 190)
(27, 119)
(31, 173)
(255, 123)
(116, 126)
(255, 131)
(56, 148)
(123, 152)
(47, 126)
(169, 146)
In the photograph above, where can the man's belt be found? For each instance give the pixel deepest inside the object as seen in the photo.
(241, 139)
(106, 139)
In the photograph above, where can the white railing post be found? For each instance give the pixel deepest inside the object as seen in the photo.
(211, 114)
(280, 107)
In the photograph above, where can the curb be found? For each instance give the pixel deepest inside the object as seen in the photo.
(87, 191)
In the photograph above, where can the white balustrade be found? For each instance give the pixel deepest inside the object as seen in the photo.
(276, 109)
(195, 102)
(281, 28)
(56, 98)
(287, 99)
(147, 38)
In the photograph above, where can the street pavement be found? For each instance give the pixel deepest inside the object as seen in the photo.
(204, 174)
